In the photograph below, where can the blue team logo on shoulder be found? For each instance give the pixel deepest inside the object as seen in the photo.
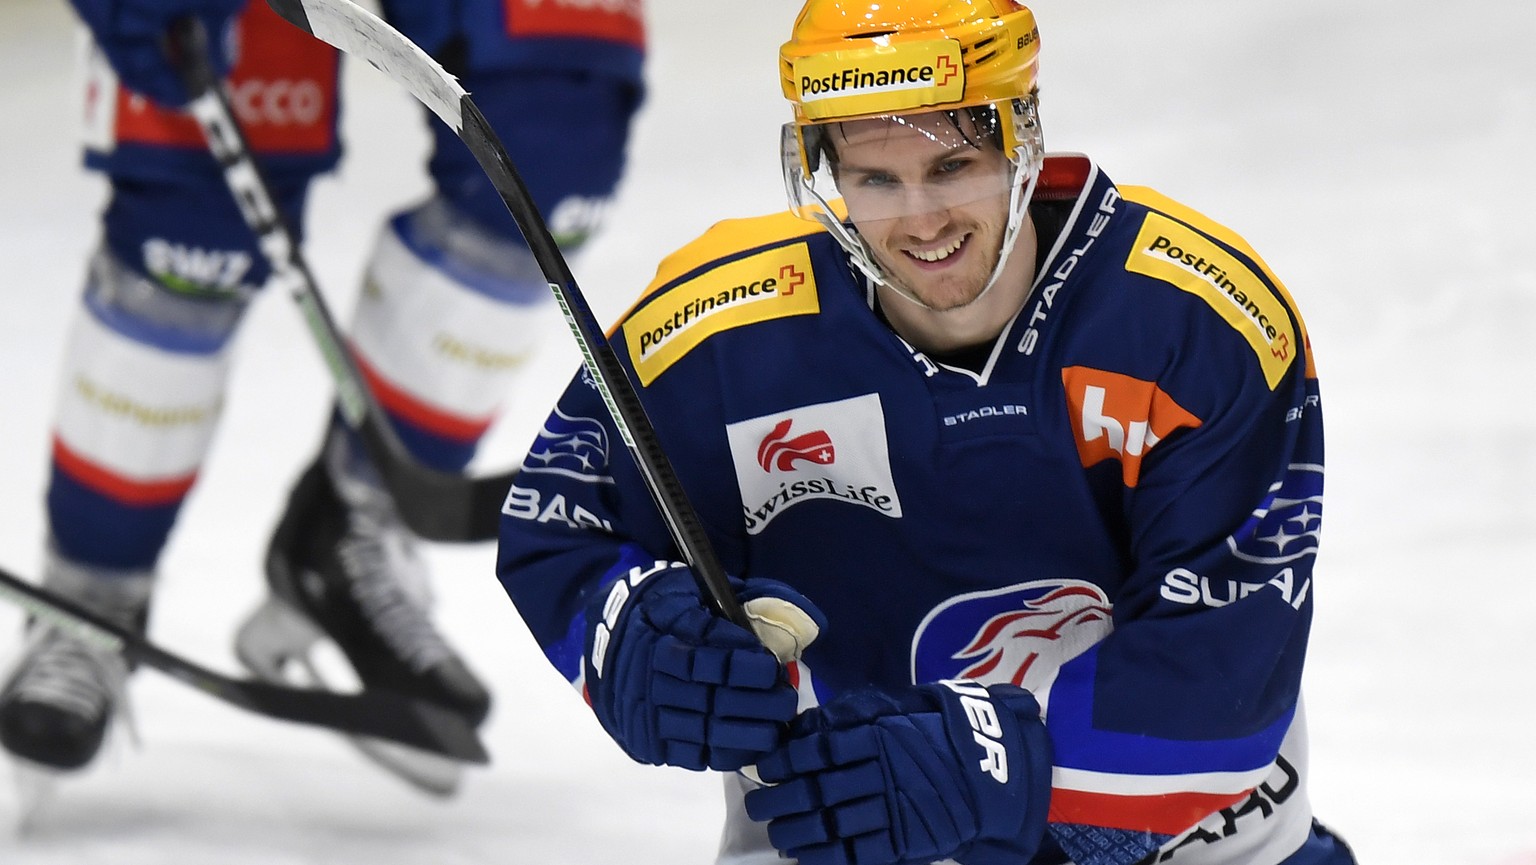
(1020, 634)
(1285, 527)
(569, 445)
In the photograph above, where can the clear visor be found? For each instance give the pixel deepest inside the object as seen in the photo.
(898, 166)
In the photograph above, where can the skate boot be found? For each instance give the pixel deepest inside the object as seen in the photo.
(341, 566)
(58, 703)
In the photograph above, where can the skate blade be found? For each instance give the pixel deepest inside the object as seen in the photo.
(277, 641)
(430, 773)
(272, 637)
(36, 785)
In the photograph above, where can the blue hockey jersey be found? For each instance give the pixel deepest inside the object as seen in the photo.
(1117, 508)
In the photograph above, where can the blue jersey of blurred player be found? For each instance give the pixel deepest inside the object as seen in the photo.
(441, 329)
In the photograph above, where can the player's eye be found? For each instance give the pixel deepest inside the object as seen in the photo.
(952, 167)
(877, 179)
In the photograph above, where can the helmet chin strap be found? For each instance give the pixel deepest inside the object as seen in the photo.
(1028, 158)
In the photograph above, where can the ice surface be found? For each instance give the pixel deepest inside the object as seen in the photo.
(1378, 154)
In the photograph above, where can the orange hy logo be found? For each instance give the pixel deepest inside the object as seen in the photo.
(1119, 417)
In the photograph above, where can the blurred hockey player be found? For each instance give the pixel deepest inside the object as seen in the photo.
(441, 328)
(1017, 472)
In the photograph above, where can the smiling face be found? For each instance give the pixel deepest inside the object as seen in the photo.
(929, 196)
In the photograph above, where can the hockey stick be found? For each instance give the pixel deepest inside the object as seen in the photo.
(357, 32)
(438, 506)
(381, 714)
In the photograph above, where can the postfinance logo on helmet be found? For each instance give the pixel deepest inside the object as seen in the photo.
(880, 79)
(857, 58)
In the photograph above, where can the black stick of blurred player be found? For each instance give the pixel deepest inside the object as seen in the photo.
(380, 714)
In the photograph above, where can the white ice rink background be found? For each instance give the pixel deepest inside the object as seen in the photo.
(1378, 154)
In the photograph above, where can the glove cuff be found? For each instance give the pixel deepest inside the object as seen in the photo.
(616, 599)
(997, 732)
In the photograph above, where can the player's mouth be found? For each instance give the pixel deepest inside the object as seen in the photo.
(937, 256)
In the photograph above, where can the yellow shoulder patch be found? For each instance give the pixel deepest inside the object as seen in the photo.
(1179, 255)
(1190, 217)
(774, 283)
(729, 237)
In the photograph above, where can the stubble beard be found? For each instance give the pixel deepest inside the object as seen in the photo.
(952, 291)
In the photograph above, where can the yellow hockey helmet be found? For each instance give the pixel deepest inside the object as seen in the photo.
(858, 58)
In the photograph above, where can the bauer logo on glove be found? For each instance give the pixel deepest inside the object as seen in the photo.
(674, 683)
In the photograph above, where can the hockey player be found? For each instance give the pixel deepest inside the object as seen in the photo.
(1020, 471)
(440, 330)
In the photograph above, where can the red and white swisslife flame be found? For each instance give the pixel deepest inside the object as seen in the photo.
(778, 451)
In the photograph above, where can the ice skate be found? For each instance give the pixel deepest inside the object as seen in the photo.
(342, 571)
(58, 705)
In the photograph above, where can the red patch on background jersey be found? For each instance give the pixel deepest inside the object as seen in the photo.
(1118, 417)
(611, 20)
(283, 88)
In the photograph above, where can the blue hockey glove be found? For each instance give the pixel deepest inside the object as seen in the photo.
(132, 35)
(946, 770)
(676, 684)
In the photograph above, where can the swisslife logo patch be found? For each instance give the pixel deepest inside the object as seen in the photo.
(832, 451)
(1117, 417)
